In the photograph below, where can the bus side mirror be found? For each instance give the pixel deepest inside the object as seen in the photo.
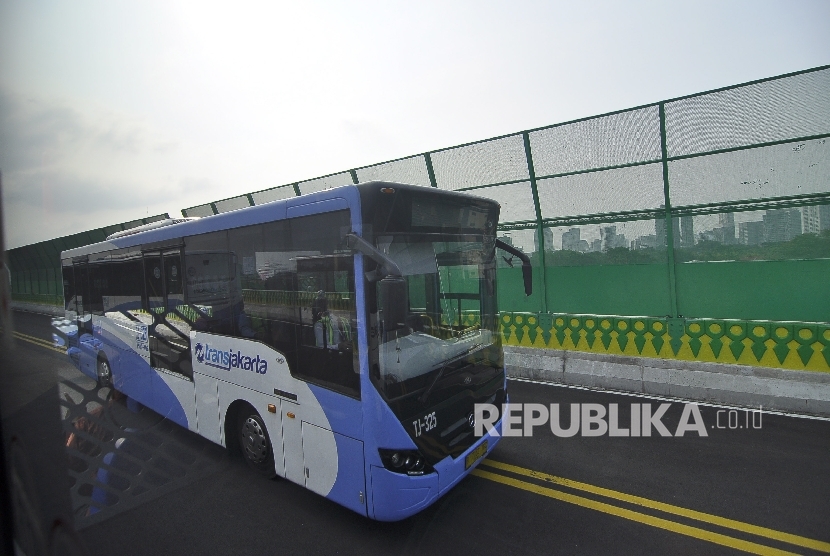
(527, 269)
(527, 274)
(393, 302)
(387, 267)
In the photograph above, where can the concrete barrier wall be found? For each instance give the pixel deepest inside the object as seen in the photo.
(774, 389)
(38, 308)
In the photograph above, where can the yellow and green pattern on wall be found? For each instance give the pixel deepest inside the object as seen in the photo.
(784, 345)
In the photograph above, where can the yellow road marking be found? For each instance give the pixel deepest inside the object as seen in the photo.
(702, 534)
(38, 342)
(668, 508)
(34, 339)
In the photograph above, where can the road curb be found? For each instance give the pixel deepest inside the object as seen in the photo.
(50, 310)
(775, 389)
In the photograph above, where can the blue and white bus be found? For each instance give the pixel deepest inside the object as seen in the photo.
(339, 339)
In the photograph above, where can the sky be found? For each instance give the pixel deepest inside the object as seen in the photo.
(112, 111)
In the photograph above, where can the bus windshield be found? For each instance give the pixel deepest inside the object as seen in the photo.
(451, 316)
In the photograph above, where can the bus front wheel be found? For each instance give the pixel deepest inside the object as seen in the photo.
(255, 443)
(104, 372)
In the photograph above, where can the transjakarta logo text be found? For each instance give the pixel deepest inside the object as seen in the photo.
(227, 359)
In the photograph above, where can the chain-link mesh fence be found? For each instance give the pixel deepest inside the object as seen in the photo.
(36, 269)
(741, 173)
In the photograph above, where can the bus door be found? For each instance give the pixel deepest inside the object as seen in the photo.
(327, 360)
(169, 329)
(84, 317)
(327, 321)
(87, 345)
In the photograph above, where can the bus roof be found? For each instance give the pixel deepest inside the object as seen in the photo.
(338, 198)
(322, 201)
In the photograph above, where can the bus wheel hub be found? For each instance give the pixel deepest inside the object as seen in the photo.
(255, 442)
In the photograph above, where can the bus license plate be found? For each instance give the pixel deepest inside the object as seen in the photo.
(473, 456)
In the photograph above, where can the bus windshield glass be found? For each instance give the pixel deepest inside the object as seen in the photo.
(450, 317)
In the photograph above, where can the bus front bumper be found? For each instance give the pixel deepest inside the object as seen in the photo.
(396, 496)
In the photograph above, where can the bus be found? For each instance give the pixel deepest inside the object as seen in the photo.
(339, 339)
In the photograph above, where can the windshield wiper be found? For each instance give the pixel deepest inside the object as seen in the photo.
(423, 398)
(428, 391)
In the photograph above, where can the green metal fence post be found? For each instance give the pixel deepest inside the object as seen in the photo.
(430, 171)
(296, 188)
(668, 215)
(14, 272)
(43, 265)
(55, 264)
(353, 173)
(250, 199)
(31, 264)
(213, 208)
(539, 230)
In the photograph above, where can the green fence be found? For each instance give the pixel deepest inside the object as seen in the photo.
(742, 173)
(710, 206)
(36, 269)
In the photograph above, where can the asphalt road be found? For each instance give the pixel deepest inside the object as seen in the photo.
(759, 484)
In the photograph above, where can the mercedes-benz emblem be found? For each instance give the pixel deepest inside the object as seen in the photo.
(471, 420)
(467, 380)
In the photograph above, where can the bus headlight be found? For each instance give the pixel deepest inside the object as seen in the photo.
(410, 462)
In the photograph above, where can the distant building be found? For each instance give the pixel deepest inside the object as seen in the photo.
(708, 235)
(687, 232)
(724, 233)
(660, 230)
(751, 233)
(726, 223)
(596, 245)
(610, 239)
(547, 236)
(676, 231)
(645, 242)
(608, 235)
(815, 219)
(781, 225)
(570, 240)
(507, 239)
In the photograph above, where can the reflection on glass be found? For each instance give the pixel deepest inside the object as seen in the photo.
(451, 305)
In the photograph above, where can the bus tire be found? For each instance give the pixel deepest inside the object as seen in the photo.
(104, 372)
(254, 442)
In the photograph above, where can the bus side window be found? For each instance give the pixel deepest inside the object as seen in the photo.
(81, 273)
(125, 290)
(154, 300)
(209, 287)
(69, 295)
(98, 269)
(326, 300)
(277, 295)
(261, 269)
